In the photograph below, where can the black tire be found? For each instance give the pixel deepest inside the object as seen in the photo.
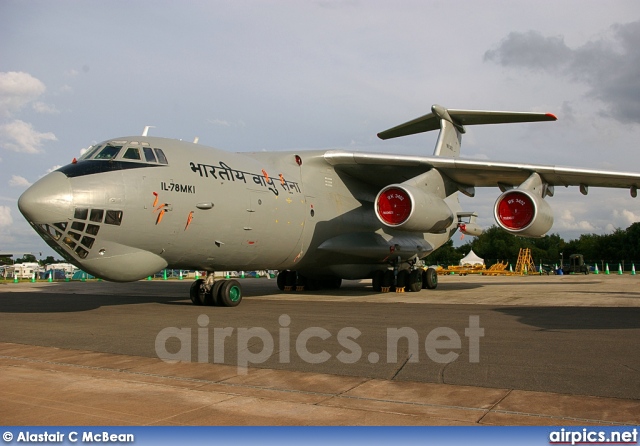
(415, 280)
(402, 280)
(388, 279)
(215, 292)
(290, 279)
(230, 293)
(312, 284)
(378, 277)
(281, 279)
(302, 281)
(432, 278)
(335, 283)
(194, 291)
(424, 279)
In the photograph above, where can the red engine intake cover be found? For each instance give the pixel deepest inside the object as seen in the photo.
(394, 206)
(515, 210)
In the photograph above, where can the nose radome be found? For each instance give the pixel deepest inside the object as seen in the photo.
(48, 200)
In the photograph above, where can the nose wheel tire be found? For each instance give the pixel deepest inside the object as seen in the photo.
(225, 293)
(230, 294)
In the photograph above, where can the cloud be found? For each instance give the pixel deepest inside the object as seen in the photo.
(530, 50)
(47, 109)
(18, 181)
(625, 217)
(20, 136)
(5, 216)
(609, 66)
(566, 220)
(16, 90)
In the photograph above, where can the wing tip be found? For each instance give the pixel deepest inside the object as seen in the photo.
(551, 116)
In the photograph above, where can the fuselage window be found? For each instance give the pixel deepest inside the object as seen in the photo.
(76, 225)
(96, 215)
(87, 241)
(161, 158)
(82, 253)
(108, 153)
(113, 218)
(132, 153)
(149, 156)
(92, 229)
(81, 213)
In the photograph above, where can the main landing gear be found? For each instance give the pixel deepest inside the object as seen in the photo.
(402, 280)
(288, 280)
(223, 293)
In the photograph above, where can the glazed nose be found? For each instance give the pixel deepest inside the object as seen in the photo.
(47, 200)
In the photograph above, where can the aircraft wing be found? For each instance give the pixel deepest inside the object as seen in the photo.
(383, 169)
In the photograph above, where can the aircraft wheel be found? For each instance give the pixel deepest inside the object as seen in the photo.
(302, 283)
(402, 279)
(281, 279)
(194, 291)
(415, 280)
(230, 293)
(215, 293)
(432, 278)
(378, 277)
(204, 297)
(387, 279)
(312, 284)
(290, 280)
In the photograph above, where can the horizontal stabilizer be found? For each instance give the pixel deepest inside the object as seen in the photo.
(460, 118)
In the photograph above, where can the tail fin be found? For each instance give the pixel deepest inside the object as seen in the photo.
(451, 124)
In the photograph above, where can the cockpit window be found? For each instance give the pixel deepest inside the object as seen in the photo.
(161, 158)
(132, 153)
(90, 151)
(149, 156)
(109, 152)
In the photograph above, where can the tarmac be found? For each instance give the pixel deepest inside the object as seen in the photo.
(556, 350)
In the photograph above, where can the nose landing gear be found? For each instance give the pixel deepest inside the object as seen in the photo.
(211, 292)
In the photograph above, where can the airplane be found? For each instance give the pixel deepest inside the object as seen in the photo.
(131, 206)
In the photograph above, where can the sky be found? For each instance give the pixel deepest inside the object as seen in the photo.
(284, 75)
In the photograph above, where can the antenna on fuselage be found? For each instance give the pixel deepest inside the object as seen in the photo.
(196, 139)
(146, 129)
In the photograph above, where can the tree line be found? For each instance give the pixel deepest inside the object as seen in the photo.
(29, 258)
(495, 245)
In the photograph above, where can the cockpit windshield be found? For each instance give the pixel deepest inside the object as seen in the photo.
(109, 152)
(126, 151)
(91, 151)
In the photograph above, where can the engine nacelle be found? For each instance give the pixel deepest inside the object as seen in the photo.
(521, 212)
(408, 208)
